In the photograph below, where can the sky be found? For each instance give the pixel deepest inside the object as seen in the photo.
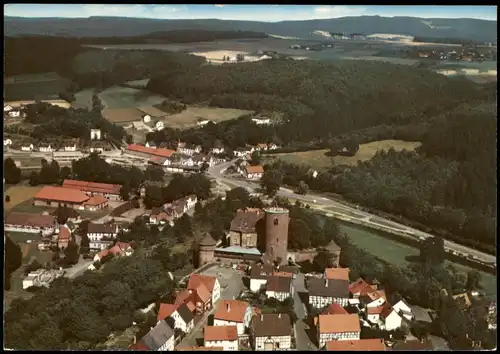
(266, 13)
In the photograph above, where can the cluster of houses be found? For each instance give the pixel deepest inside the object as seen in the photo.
(172, 211)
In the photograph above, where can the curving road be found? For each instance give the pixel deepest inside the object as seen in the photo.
(349, 213)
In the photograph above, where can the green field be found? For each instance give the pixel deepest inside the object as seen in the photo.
(125, 97)
(320, 159)
(395, 252)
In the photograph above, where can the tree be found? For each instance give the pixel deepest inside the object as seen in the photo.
(71, 254)
(11, 172)
(271, 181)
(129, 139)
(62, 213)
(256, 158)
(65, 173)
(473, 281)
(34, 179)
(33, 266)
(183, 227)
(125, 191)
(13, 259)
(302, 188)
(432, 251)
(7, 198)
(198, 210)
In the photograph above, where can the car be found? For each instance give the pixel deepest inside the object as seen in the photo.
(314, 200)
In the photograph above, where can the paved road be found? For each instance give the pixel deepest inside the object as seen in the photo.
(230, 278)
(302, 340)
(346, 211)
(78, 268)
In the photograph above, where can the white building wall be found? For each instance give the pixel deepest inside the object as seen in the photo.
(216, 292)
(226, 345)
(393, 321)
(257, 284)
(401, 306)
(326, 337)
(376, 303)
(285, 342)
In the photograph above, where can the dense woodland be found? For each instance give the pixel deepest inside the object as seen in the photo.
(81, 313)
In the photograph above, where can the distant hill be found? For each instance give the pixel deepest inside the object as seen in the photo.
(470, 29)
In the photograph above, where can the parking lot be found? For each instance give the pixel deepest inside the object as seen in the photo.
(231, 285)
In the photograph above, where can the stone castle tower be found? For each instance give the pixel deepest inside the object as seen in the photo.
(206, 250)
(276, 231)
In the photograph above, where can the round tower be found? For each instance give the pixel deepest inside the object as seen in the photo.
(276, 244)
(206, 250)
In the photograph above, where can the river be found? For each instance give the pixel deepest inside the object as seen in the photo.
(395, 252)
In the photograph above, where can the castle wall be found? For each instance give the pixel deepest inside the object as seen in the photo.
(276, 231)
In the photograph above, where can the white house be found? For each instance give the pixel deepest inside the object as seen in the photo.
(338, 327)
(95, 134)
(45, 148)
(373, 299)
(181, 317)
(272, 146)
(7, 142)
(323, 292)
(258, 276)
(98, 149)
(401, 306)
(159, 125)
(28, 147)
(221, 336)
(272, 331)
(30, 223)
(233, 313)
(187, 161)
(203, 122)
(254, 172)
(146, 118)
(391, 320)
(188, 149)
(279, 287)
(217, 150)
(14, 113)
(150, 144)
(70, 147)
(211, 283)
(7, 108)
(260, 121)
(240, 152)
(101, 235)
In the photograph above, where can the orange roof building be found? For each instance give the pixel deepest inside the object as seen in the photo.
(356, 345)
(338, 327)
(92, 187)
(252, 170)
(194, 349)
(166, 310)
(335, 309)
(360, 287)
(140, 149)
(228, 335)
(233, 312)
(337, 273)
(60, 195)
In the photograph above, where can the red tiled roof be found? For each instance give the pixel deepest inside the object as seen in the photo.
(338, 323)
(188, 349)
(27, 219)
(215, 333)
(103, 254)
(96, 200)
(231, 311)
(337, 273)
(60, 194)
(155, 152)
(196, 279)
(203, 293)
(360, 287)
(157, 160)
(183, 297)
(356, 345)
(166, 310)
(375, 310)
(386, 311)
(255, 169)
(92, 186)
(335, 309)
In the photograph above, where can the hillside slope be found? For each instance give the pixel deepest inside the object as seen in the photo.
(471, 29)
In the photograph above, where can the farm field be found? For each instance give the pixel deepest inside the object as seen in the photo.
(45, 86)
(83, 99)
(191, 115)
(124, 97)
(19, 195)
(216, 50)
(319, 159)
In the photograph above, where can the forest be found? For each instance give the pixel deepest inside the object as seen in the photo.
(319, 99)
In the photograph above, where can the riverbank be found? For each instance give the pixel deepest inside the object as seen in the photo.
(387, 248)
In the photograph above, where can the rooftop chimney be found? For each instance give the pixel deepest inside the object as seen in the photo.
(135, 339)
(228, 307)
(262, 318)
(326, 283)
(279, 315)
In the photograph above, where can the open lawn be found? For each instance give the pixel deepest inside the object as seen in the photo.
(192, 115)
(320, 159)
(83, 99)
(18, 195)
